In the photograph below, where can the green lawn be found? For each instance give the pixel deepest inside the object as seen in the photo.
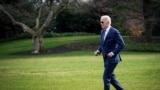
(78, 70)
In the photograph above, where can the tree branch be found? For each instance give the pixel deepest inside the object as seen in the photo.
(38, 17)
(10, 16)
(25, 27)
(51, 15)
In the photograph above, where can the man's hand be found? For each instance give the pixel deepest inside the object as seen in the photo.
(111, 54)
(96, 53)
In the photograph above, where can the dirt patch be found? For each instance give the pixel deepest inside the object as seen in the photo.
(64, 48)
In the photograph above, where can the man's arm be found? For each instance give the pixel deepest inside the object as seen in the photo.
(120, 43)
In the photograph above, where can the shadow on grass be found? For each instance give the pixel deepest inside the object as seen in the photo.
(63, 49)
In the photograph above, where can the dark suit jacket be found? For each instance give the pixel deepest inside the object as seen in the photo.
(113, 43)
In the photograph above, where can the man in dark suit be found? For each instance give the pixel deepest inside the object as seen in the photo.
(111, 43)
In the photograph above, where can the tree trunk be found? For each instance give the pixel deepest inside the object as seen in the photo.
(148, 30)
(38, 44)
(148, 21)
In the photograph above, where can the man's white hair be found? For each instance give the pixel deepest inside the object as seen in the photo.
(107, 18)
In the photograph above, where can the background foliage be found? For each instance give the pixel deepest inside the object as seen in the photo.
(81, 17)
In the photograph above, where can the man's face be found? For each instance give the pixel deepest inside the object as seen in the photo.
(104, 23)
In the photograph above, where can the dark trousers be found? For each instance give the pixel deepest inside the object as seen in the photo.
(109, 77)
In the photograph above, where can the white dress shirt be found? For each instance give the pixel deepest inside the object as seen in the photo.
(106, 32)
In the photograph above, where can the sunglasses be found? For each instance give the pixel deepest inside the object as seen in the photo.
(101, 22)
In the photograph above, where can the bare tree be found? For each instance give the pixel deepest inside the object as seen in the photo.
(38, 30)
